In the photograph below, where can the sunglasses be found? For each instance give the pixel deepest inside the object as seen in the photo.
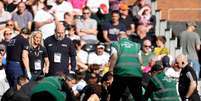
(147, 46)
(7, 33)
(86, 13)
(9, 24)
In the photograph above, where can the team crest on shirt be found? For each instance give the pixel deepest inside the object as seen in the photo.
(64, 45)
(12, 42)
(50, 45)
(127, 44)
(168, 79)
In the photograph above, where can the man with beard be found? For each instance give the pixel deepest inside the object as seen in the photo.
(60, 49)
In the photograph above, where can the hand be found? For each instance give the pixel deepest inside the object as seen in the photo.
(29, 75)
(49, 21)
(45, 70)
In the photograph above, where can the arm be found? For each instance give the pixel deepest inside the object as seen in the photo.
(72, 56)
(132, 28)
(85, 31)
(16, 26)
(46, 65)
(105, 36)
(113, 61)
(198, 47)
(89, 31)
(29, 25)
(81, 65)
(25, 60)
(41, 23)
(73, 63)
(192, 86)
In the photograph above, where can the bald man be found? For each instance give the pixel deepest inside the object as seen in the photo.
(60, 49)
(187, 80)
(141, 35)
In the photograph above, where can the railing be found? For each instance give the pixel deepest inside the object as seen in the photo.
(162, 29)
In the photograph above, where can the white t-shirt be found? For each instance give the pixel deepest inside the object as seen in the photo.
(4, 86)
(95, 4)
(79, 86)
(47, 29)
(83, 55)
(62, 8)
(99, 59)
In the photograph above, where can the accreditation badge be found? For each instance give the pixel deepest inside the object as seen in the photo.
(37, 65)
(57, 57)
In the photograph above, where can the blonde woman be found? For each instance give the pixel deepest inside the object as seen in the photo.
(38, 61)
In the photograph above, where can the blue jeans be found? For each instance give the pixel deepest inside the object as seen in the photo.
(13, 71)
(196, 66)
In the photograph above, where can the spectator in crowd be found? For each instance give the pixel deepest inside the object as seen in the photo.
(187, 80)
(68, 20)
(36, 56)
(190, 44)
(138, 5)
(6, 37)
(106, 83)
(86, 28)
(114, 5)
(160, 86)
(4, 16)
(81, 83)
(112, 28)
(160, 50)
(95, 5)
(15, 49)
(13, 94)
(126, 16)
(141, 35)
(99, 57)
(35, 5)
(82, 56)
(60, 8)
(10, 26)
(9, 5)
(146, 18)
(58, 91)
(44, 20)
(126, 68)
(92, 92)
(60, 49)
(78, 5)
(3, 53)
(72, 33)
(3, 80)
(146, 52)
(22, 17)
(146, 60)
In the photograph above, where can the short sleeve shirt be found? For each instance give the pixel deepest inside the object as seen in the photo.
(15, 48)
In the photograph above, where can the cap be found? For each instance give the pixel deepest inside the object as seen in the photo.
(104, 9)
(100, 45)
(191, 23)
(123, 6)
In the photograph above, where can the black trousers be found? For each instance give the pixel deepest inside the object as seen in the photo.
(120, 84)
